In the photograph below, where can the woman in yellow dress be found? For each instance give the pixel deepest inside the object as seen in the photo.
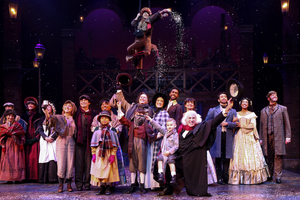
(248, 165)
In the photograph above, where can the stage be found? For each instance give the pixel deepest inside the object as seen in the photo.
(289, 189)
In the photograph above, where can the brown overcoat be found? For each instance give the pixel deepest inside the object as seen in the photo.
(282, 128)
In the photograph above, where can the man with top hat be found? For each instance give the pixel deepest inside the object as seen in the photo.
(83, 119)
(32, 118)
(142, 45)
(275, 133)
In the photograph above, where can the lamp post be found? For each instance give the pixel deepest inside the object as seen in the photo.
(13, 9)
(285, 5)
(265, 58)
(39, 54)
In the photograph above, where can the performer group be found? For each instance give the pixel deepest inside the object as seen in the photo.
(169, 146)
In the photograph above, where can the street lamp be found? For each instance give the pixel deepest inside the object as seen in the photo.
(265, 58)
(39, 51)
(13, 9)
(285, 4)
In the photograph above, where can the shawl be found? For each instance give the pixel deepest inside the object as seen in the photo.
(15, 131)
(105, 138)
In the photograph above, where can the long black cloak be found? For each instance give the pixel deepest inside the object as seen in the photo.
(191, 163)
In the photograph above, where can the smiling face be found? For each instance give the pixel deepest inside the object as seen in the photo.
(223, 99)
(174, 94)
(189, 105)
(104, 120)
(68, 108)
(159, 102)
(10, 118)
(191, 120)
(171, 125)
(273, 98)
(105, 106)
(143, 99)
(245, 104)
(49, 108)
(84, 103)
(31, 106)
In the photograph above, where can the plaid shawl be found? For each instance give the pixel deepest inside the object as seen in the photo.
(15, 131)
(106, 142)
(105, 138)
(161, 117)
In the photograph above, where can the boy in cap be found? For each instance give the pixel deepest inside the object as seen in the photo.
(142, 45)
(83, 156)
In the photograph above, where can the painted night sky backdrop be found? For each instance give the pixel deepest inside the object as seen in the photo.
(111, 33)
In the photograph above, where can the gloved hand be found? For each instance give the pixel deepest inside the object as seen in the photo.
(118, 86)
(28, 142)
(21, 147)
(111, 159)
(94, 158)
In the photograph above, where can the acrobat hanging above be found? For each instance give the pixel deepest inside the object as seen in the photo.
(142, 45)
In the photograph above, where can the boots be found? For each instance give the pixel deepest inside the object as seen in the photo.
(142, 188)
(131, 189)
(102, 190)
(161, 178)
(108, 190)
(173, 180)
(69, 187)
(167, 191)
(61, 185)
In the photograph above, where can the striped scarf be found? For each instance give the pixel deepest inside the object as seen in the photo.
(106, 142)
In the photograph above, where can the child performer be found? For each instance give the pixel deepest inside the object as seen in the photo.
(104, 145)
(169, 146)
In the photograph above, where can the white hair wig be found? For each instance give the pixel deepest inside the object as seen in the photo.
(188, 113)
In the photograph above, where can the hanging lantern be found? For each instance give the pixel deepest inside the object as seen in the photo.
(36, 63)
(81, 18)
(285, 5)
(39, 51)
(265, 58)
(13, 10)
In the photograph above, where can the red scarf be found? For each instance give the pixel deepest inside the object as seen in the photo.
(185, 127)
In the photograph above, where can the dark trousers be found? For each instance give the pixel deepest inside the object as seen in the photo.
(222, 163)
(274, 162)
(82, 166)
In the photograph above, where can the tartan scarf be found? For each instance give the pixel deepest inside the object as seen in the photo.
(79, 139)
(106, 141)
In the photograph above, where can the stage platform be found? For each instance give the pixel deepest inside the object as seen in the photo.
(289, 189)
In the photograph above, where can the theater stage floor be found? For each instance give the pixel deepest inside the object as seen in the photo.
(289, 189)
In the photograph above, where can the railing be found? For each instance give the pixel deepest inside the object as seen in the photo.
(199, 83)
